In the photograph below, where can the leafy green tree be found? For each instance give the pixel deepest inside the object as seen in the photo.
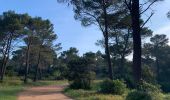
(157, 45)
(101, 68)
(97, 12)
(11, 29)
(155, 56)
(63, 60)
(46, 37)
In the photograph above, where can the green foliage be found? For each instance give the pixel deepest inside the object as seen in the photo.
(146, 91)
(141, 95)
(116, 87)
(148, 74)
(91, 94)
(166, 97)
(147, 87)
(165, 86)
(138, 95)
(80, 74)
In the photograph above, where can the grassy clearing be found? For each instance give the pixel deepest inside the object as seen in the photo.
(11, 87)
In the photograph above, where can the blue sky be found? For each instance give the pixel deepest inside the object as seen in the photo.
(70, 32)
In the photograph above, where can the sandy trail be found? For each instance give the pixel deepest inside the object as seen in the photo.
(43, 93)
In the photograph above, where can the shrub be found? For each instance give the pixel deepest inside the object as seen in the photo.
(81, 84)
(147, 87)
(138, 95)
(146, 91)
(116, 87)
(80, 74)
(165, 86)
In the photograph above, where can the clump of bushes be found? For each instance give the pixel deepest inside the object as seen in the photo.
(138, 95)
(116, 87)
(146, 91)
(80, 74)
(165, 86)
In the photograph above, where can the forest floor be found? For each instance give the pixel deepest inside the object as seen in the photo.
(53, 92)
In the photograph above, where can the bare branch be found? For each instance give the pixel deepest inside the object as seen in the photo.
(96, 21)
(148, 6)
(128, 4)
(141, 5)
(147, 20)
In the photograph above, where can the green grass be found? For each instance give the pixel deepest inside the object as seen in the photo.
(166, 96)
(90, 95)
(11, 87)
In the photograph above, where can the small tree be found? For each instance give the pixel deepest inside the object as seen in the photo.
(80, 74)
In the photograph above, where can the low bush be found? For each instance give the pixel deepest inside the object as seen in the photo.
(165, 86)
(146, 91)
(116, 87)
(148, 87)
(138, 95)
(81, 84)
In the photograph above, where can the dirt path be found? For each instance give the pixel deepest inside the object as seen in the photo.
(44, 93)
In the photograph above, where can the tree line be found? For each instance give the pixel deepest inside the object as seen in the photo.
(123, 29)
(26, 42)
(28, 48)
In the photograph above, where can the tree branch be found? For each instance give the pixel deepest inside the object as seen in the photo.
(128, 4)
(96, 21)
(148, 6)
(147, 20)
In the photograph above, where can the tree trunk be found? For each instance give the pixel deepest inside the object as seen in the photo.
(37, 67)
(40, 74)
(135, 14)
(157, 69)
(6, 56)
(107, 51)
(122, 61)
(27, 60)
(4, 68)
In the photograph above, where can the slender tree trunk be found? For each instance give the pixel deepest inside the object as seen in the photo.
(135, 14)
(4, 68)
(27, 60)
(107, 51)
(6, 56)
(37, 67)
(157, 69)
(40, 74)
(122, 61)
